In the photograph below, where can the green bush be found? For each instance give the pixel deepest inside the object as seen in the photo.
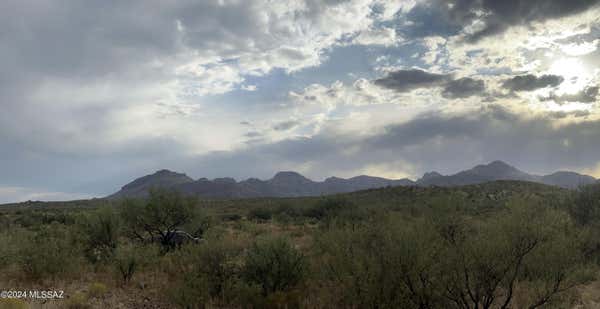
(289, 210)
(164, 212)
(206, 273)
(97, 290)
(13, 303)
(36, 218)
(275, 265)
(531, 248)
(231, 217)
(384, 265)
(78, 300)
(532, 251)
(9, 248)
(585, 206)
(100, 232)
(131, 258)
(5, 223)
(336, 210)
(260, 214)
(49, 253)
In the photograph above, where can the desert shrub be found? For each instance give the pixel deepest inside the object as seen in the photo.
(585, 205)
(336, 211)
(97, 290)
(524, 250)
(5, 222)
(385, 265)
(79, 300)
(283, 219)
(260, 214)
(158, 217)
(34, 219)
(289, 210)
(131, 258)
(287, 214)
(274, 265)
(49, 253)
(231, 217)
(9, 247)
(206, 273)
(13, 303)
(100, 233)
(199, 224)
(327, 207)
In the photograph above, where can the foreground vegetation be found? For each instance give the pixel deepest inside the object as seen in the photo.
(496, 245)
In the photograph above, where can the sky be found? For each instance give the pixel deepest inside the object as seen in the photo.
(96, 93)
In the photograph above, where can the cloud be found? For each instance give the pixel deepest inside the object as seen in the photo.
(253, 134)
(565, 114)
(531, 82)
(406, 80)
(99, 83)
(586, 95)
(96, 93)
(285, 125)
(377, 36)
(445, 142)
(463, 88)
(483, 18)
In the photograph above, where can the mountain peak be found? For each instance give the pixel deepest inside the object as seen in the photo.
(162, 178)
(284, 175)
(568, 179)
(500, 164)
(288, 178)
(496, 168)
(165, 172)
(333, 178)
(430, 175)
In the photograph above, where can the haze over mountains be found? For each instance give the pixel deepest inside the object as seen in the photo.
(292, 184)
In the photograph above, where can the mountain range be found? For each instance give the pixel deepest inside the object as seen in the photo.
(292, 184)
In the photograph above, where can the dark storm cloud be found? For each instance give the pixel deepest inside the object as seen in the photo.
(531, 82)
(587, 95)
(428, 20)
(463, 88)
(285, 125)
(496, 15)
(406, 80)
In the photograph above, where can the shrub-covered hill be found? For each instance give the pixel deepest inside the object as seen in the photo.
(475, 196)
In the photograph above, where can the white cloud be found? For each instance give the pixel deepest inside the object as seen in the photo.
(377, 36)
(580, 49)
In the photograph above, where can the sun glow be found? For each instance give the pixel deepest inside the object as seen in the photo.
(575, 73)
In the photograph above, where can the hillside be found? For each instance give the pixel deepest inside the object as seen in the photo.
(469, 196)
